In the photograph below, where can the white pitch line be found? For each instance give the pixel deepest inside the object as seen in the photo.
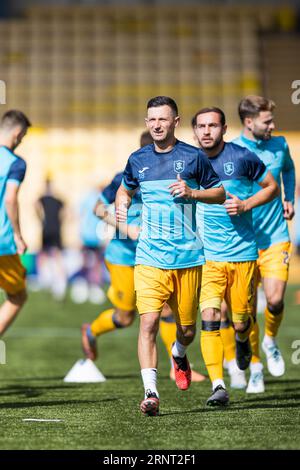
(43, 420)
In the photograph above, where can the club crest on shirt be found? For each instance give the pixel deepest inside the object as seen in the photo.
(228, 168)
(178, 166)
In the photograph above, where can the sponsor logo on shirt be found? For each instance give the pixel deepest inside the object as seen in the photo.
(142, 172)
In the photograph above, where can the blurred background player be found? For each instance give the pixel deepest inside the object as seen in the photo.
(93, 241)
(297, 223)
(51, 268)
(120, 260)
(229, 246)
(13, 128)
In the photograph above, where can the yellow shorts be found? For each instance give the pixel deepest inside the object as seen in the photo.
(234, 282)
(274, 262)
(179, 287)
(12, 274)
(121, 291)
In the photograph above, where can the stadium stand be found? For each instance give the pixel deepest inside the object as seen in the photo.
(83, 76)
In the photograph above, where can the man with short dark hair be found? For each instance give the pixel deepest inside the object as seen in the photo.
(169, 253)
(229, 245)
(13, 128)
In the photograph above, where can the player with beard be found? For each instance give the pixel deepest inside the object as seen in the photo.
(271, 230)
(229, 245)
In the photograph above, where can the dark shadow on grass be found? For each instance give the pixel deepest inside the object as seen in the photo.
(122, 377)
(33, 391)
(33, 379)
(53, 403)
(270, 406)
(26, 393)
(231, 409)
(277, 397)
(282, 381)
(204, 409)
(243, 405)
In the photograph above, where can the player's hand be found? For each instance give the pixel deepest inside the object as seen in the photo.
(234, 205)
(180, 189)
(121, 214)
(288, 210)
(21, 245)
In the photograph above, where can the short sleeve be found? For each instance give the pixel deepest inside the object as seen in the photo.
(17, 171)
(108, 194)
(206, 175)
(255, 168)
(129, 181)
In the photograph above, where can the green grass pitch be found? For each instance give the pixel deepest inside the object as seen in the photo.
(44, 343)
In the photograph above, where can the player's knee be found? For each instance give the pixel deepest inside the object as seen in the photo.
(166, 311)
(241, 326)
(210, 314)
(126, 318)
(186, 333)
(149, 324)
(224, 313)
(19, 298)
(275, 306)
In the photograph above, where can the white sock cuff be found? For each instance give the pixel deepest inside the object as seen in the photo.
(256, 367)
(178, 349)
(269, 340)
(149, 377)
(218, 382)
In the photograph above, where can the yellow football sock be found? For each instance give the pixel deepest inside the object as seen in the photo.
(103, 323)
(245, 334)
(272, 322)
(254, 341)
(167, 331)
(228, 339)
(212, 352)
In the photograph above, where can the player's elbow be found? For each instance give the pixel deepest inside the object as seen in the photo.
(10, 202)
(221, 195)
(275, 190)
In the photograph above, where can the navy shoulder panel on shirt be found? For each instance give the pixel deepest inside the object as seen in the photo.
(17, 169)
(190, 162)
(236, 162)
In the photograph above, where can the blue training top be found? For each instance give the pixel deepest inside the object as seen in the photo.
(121, 250)
(269, 224)
(231, 238)
(12, 170)
(169, 238)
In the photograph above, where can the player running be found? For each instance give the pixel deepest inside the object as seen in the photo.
(120, 260)
(13, 128)
(169, 252)
(270, 224)
(229, 243)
